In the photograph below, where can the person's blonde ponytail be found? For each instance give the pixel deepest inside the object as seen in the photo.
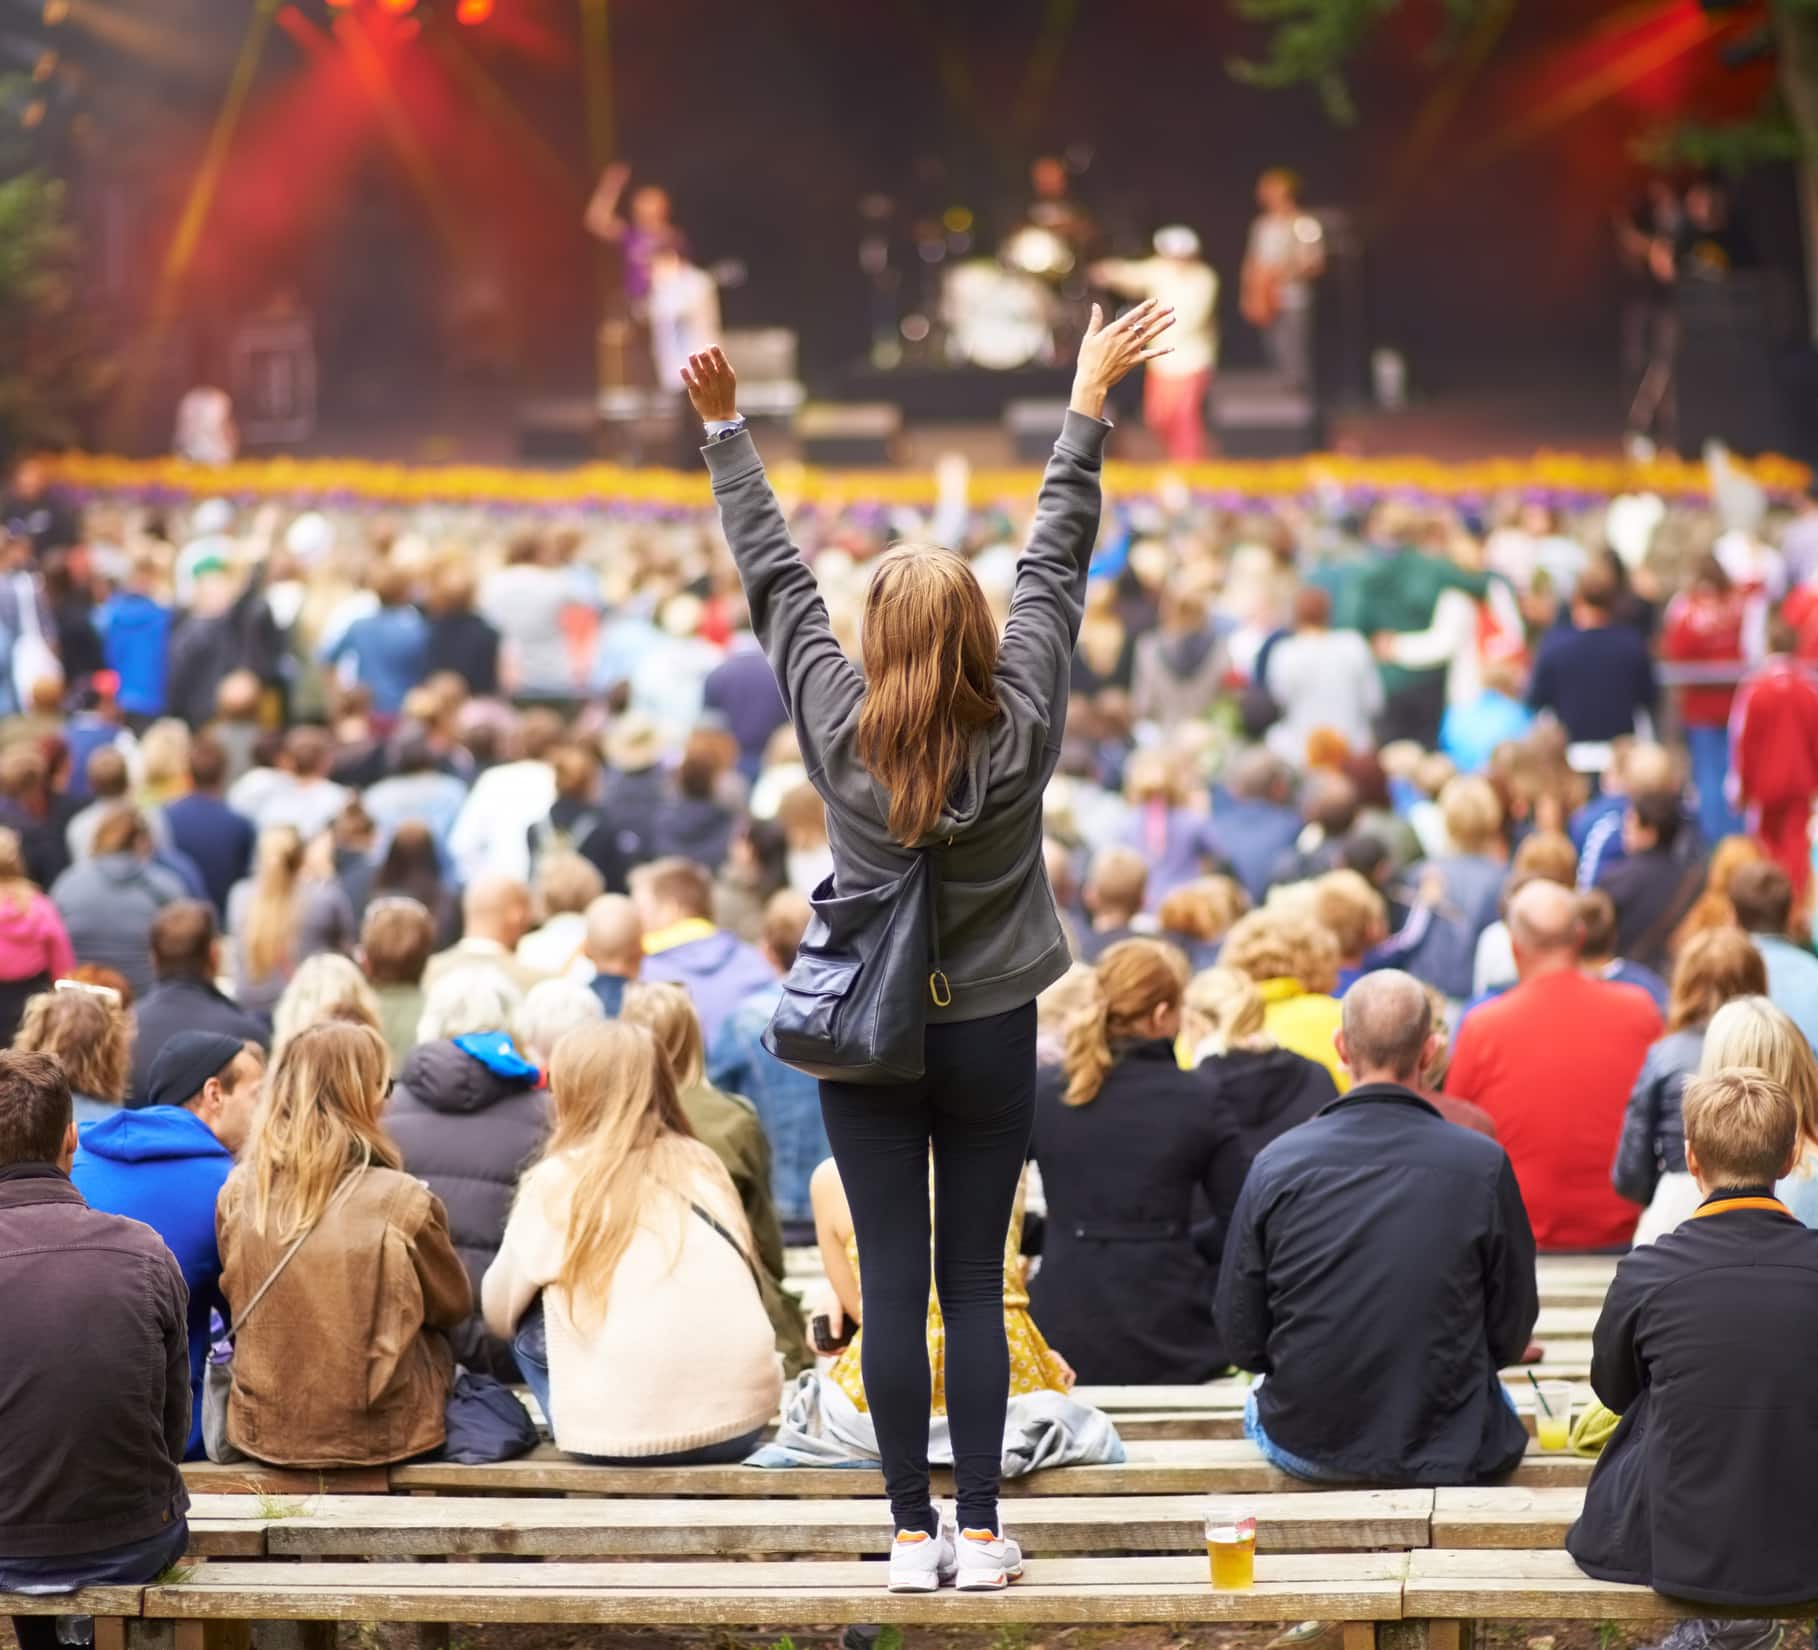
(1130, 982)
(1088, 1058)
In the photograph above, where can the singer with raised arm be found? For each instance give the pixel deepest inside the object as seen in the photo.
(944, 742)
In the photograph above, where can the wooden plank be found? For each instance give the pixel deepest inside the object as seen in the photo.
(1559, 1322)
(85, 1601)
(250, 1478)
(1576, 1268)
(238, 1536)
(414, 1526)
(1504, 1516)
(1539, 1585)
(1162, 1467)
(1333, 1586)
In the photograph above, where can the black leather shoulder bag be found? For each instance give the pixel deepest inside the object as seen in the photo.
(855, 1002)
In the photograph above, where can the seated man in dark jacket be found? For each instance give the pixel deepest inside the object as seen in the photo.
(1706, 1346)
(92, 1492)
(1380, 1272)
(186, 959)
(1654, 883)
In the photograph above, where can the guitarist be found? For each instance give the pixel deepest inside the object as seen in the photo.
(1286, 254)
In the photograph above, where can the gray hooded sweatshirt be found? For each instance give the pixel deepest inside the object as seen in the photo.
(1000, 935)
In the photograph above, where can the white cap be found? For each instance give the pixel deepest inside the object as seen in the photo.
(214, 515)
(310, 537)
(1176, 241)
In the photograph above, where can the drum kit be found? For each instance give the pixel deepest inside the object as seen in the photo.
(1023, 308)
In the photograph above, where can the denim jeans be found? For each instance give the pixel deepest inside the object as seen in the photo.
(1710, 753)
(1275, 1455)
(530, 1347)
(1293, 1465)
(132, 1565)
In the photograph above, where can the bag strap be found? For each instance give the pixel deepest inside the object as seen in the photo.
(1669, 915)
(290, 1254)
(938, 988)
(738, 1248)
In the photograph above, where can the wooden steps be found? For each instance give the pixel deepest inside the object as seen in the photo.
(240, 1526)
(1353, 1587)
(1443, 1588)
(1156, 1467)
(1472, 1583)
(243, 1526)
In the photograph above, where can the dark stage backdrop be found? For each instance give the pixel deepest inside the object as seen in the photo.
(383, 184)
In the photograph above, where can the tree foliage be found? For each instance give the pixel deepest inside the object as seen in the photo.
(1310, 42)
(48, 376)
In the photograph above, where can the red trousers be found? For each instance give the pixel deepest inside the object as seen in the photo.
(1175, 409)
(1784, 830)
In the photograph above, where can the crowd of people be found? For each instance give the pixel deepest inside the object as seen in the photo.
(388, 935)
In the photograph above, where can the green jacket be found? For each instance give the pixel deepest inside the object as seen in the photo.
(728, 1123)
(1398, 592)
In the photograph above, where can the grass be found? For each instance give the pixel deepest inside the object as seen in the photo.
(174, 1575)
(276, 1507)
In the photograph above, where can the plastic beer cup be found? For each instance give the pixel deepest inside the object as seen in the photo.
(1553, 1431)
(1231, 1549)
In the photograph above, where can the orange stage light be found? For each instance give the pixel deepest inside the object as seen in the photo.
(473, 11)
(398, 7)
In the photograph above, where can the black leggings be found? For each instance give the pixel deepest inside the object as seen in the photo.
(974, 1105)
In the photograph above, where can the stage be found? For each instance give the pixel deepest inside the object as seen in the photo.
(481, 425)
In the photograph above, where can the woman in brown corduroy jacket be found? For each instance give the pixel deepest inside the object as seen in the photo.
(345, 1361)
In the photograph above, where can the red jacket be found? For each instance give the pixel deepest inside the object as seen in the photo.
(1704, 630)
(1774, 734)
(1553, 1062)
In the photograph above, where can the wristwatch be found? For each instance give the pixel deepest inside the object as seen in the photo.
(721, 429)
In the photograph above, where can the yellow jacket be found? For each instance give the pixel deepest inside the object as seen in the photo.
(1305, 1023)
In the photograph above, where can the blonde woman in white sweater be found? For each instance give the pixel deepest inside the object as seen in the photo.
(624, 1279)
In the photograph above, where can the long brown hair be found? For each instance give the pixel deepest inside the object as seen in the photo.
(318, 1123)
(930, 648)
(621, 1128)
(1715, 966)
(1131, 981)
(16, 887)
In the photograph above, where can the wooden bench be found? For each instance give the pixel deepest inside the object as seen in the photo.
(214, 1601)
(1162, 1467)
(1449, 1588)
(244, 1526)
(1436, 1593)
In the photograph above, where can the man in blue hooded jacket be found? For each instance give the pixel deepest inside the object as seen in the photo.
(674, 898)
(165, 1164)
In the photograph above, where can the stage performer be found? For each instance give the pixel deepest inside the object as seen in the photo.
(650, 229)
(1774, 735)
(627, 354)
(1286, 255)
(1175, 388)
(945, 741)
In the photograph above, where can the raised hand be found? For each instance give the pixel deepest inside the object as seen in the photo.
(712, 385)
(1110, 351)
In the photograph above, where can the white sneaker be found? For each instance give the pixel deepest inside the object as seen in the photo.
(921, 1563)
(988, 1561)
